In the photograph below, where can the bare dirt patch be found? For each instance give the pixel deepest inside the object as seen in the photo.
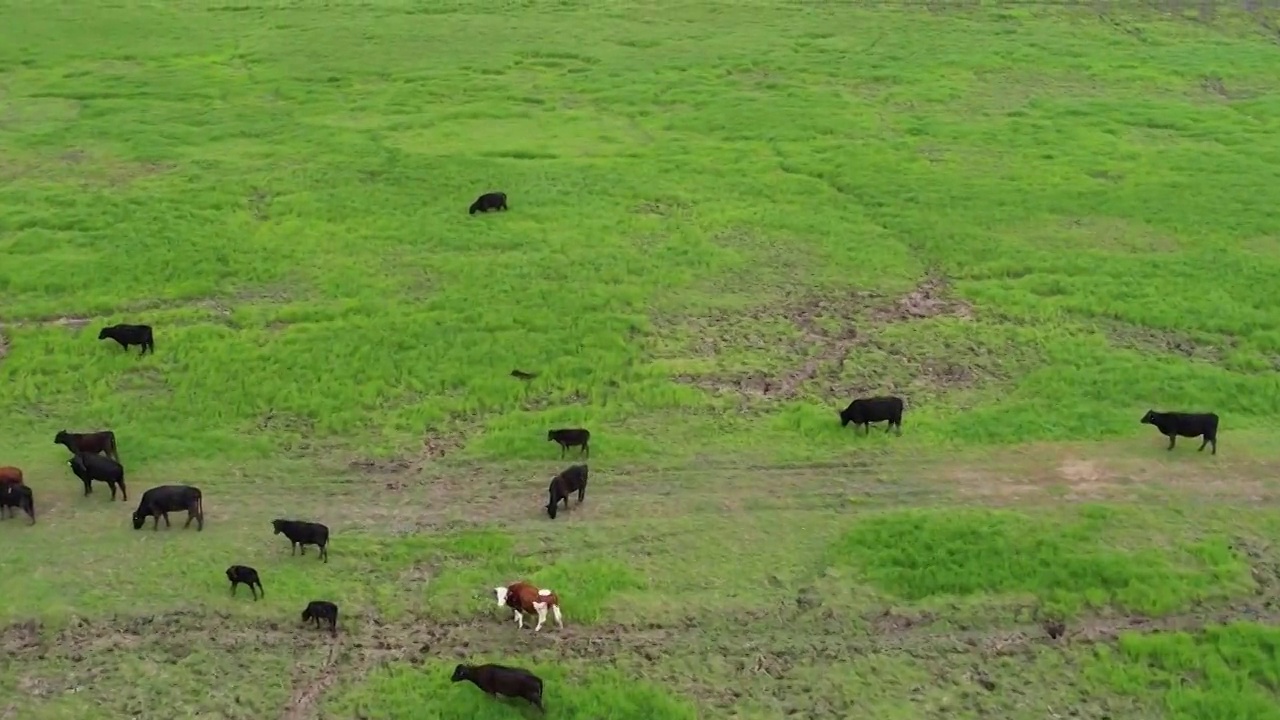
(823, 331)
(308, 692)
(437, 443)
(1151, 340)
(4, 345)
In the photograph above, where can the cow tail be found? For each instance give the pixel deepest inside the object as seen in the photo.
(111, 443)
(200, 504)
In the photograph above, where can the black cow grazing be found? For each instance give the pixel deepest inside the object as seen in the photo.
(865, 411)
(503, 680)
(103, 441)
(301, 534)
(90, 466)
(571, 480)
(571, 437)
(489, 201)
(160, 501)
(1173, 424)
(244, 574)
(17, 495)
(522, 375)
(318, 610)
(128, 335)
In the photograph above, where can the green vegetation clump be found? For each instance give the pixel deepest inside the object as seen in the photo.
(1069, 563)
(401, 691)
(1223, 673)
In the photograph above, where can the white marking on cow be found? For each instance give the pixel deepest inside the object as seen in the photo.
(541, 609)
(555, 610)
(543, 593)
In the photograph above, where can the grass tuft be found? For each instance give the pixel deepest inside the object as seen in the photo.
(1067, 564)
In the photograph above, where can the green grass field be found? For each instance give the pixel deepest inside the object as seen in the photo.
(726, 220)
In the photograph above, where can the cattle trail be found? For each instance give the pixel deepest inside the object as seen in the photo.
(303, 701)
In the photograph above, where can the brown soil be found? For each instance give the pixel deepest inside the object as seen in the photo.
(1150, 340)
(436, 444)
(829, 328)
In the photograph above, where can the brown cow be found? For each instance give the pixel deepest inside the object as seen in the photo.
(525, 598)
(103, 441)
(10, 475)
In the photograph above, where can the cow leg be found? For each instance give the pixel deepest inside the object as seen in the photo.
(233, 588)
(88, 488)
(541, 609)
(166, 520)
(324, 552)
(293, 548)
(156, 524)
(563, 447)
(190, 516)
(1173, 439)
(1214, 441)
(519, 619)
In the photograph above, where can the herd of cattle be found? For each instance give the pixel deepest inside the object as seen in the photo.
(94, 457)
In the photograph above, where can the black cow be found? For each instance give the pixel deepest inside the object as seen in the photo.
(503, 680)
(571, 480)
(571, 437)
(301, 534)
(244, 574)
(1173, 424)
(91, 466)
(17, 495)
(865, 411)
(160, 501)
(103, 441)
(318, 610)
(128, 335)
(489, 201)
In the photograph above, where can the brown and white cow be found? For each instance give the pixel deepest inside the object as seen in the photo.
(10, 475)
(525, 598)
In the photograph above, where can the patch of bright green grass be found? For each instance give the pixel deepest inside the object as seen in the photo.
(1069, 563)
(400, 691)
(1222, 673)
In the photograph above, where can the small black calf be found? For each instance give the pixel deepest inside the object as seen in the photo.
(318, 610)
(160, 501)
(91, 466)
(17, 495)
(522, 375)
(128, 335)
(503, 680)
(1173, 424)
(865, 411)
(489, 201)
(571, 437)
(302, 533)
(244, 574)
(571, 480)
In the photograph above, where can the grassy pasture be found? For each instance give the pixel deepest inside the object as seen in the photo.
(1033, 222)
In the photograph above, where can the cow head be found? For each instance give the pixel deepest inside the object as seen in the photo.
(1149, 417)
(551, 435)
(846, 417)
(138, 519)
(551, 509)
(460, 673)
(276, 525)
(104, 333)
(306, 614)
(501, 594)
(61, 438)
